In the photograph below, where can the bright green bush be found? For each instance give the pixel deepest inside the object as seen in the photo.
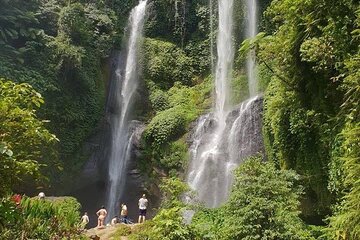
(345, 221)
(209, 223)
(263, 204)
(165, 126)
(56, 218)
(26, 146)
(159, 100)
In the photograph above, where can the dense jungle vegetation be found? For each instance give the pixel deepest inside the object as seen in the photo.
(54, 70)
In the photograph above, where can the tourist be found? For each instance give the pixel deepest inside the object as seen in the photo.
(114, 221)
(84, 220)
(41, 195)
(101, 217)
(16, 199)
(143, 203)
(124, 213)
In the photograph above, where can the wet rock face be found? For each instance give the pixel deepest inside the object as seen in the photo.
(244, 130)
(215, 153)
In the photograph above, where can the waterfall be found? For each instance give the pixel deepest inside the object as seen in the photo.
(223, 139)
(207, 168)
(123, 93)
(251, 31)
(211, 35)
(225, 55)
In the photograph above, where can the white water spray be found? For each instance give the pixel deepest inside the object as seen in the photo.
(251, 31)
(121, 136)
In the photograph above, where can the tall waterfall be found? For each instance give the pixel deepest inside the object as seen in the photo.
(123, 92)
(207, 169)
(251, 31)
(223, 139)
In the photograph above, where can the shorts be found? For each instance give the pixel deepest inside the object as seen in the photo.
(142, 212)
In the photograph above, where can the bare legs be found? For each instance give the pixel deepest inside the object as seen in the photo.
(141, 218)
(100, 221)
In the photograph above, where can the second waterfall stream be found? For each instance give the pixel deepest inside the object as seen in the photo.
(223, 139)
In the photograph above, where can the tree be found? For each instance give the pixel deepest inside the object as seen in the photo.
(17, 25)
(307, 46)
(24, 140)
(345, 221)
(264, 203)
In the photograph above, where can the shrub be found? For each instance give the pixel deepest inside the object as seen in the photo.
(263, 204)
(159, 100)
(165, 63)
(175, 155)
(165, 126)
(57, 218)
(121, 230)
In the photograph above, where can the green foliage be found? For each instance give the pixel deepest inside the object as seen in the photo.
(345, 221)
(9, 214)
(42, 219)
(121, 230)
(165, 64)
(175, 156)
(178, 21)
(162, 136)
(239, 89)
(159, 100)
(263, 204)
(172, 190)
(17, 23)
(199, 52)
(307, 51)
(297, 138)
(209, 223)
(168, 223)
(25, 144)
(165, 126)
(62, 61)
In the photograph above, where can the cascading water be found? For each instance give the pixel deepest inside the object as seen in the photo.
(123, 93)
(223, 139)
(207, 171)
(251, 31)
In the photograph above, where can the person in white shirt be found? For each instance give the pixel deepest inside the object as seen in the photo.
(143, 203)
